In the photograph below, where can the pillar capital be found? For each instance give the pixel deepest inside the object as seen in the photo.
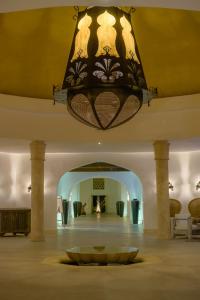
(37, 150)
(161, 149)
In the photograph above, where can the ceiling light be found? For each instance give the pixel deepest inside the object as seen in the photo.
(104, 84)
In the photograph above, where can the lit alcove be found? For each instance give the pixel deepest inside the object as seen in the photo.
(99, 187)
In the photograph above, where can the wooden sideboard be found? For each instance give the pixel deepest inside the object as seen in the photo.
(15, 220)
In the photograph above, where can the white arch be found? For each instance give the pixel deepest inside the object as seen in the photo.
(129, 179)
(66, 162)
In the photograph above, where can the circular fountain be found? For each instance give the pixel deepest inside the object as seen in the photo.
(102, 255)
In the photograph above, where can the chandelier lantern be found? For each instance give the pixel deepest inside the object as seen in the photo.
(104, 84)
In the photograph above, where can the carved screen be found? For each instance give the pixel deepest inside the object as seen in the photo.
(106, 34)
(82, 38)
(98, 184)
(128, 40)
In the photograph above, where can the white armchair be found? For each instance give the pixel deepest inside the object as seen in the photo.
(193, 228)
(179, 226)
(194, 220)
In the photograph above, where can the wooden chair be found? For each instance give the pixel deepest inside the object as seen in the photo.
(175, 207)
(194, 220)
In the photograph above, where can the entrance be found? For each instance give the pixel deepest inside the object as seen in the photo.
(101, 189)
(99, 204)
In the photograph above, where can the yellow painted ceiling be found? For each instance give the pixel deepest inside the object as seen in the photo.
(34, 48)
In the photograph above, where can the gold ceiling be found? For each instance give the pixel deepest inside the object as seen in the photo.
(34, 48)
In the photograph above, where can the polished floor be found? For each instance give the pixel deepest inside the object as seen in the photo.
(31, 270)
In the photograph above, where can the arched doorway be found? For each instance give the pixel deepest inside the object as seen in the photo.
(118, 184)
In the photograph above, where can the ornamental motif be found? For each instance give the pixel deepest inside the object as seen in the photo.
(78, 73)
(136, 75)
(107, 72)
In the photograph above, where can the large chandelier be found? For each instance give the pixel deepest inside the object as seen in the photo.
(104, 80)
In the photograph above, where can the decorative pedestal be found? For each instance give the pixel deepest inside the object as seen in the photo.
(102, 255)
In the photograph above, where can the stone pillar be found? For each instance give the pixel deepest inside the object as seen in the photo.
(161, 151)
(37, 190)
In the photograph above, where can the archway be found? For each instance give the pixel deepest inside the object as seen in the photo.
(76, 185)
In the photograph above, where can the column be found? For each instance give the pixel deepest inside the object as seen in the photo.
(161, 151)
(37, 190)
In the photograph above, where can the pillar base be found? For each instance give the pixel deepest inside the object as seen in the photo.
(162, 236)
(37, 238)
(152, 232)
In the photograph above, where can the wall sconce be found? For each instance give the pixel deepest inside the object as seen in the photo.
(171, 187)
(198, 186)
(29, 188)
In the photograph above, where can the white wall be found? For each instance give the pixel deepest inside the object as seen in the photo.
(113, 194)
(124, 198)
(14, 181)
(184, 173)
(15, 178)
(85, 194)
(74, 196)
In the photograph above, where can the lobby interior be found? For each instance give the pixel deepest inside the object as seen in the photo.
(161, 143)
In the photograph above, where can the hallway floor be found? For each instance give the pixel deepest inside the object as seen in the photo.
(30, 270)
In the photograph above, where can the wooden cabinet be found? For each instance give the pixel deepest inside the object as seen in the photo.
(16, 220)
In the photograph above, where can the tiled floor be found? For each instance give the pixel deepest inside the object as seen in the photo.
(30, 270)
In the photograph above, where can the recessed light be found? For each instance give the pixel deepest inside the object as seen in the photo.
(99, 143)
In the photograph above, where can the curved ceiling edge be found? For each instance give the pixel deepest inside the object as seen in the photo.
(45, 107)
(160, 124)
(15, 5)
(31, 105)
